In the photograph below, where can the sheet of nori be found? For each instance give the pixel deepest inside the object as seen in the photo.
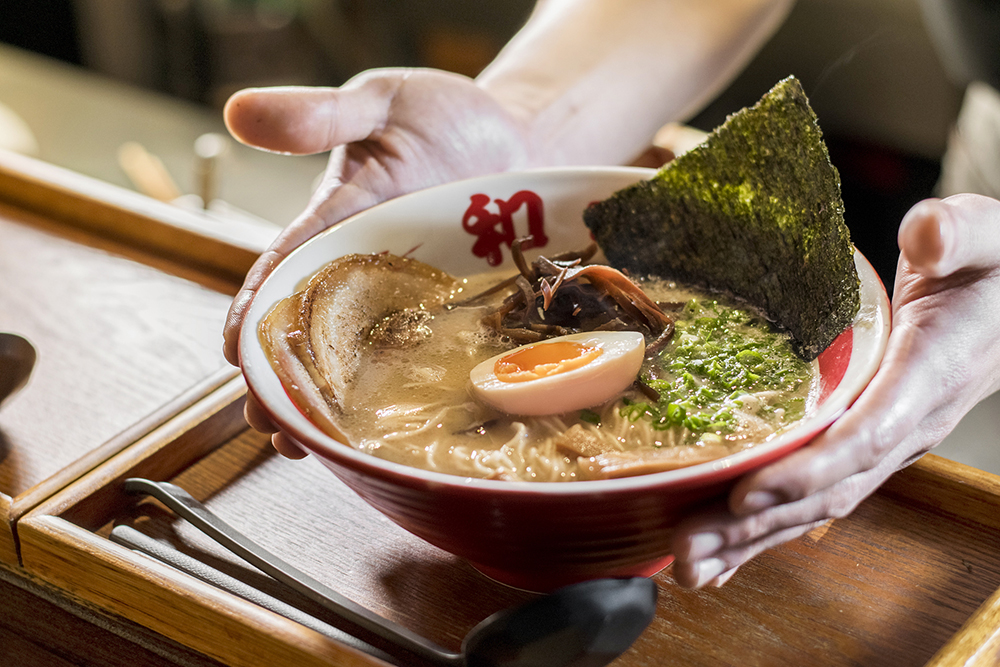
(755, 211)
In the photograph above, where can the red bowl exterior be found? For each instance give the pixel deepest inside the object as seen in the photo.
(540, 536)
(538, 541)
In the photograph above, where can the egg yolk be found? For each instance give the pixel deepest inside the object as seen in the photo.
(538, 361)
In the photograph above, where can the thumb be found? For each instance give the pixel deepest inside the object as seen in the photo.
(303, 120)
(938, 237)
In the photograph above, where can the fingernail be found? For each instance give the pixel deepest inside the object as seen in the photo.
(927, 238)
(709, 569)
(704, 545)
(718, 581)
(759, 500)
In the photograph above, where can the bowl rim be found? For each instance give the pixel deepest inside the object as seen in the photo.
(872, 323)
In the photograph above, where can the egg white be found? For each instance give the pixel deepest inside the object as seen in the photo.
(597, 382)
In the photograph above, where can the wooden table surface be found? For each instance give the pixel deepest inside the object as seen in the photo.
(891, 585)
(910, 578)
(123, 299)
(888, 586)
(126, 322)
(116, 338)
(41, 627)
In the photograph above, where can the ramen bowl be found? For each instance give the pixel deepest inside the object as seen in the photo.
(532, 535)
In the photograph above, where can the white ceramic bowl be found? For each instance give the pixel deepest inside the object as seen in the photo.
(532, 535)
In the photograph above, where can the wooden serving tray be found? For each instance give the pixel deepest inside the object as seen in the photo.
(124, 299)
(123, 389)
(908, 579)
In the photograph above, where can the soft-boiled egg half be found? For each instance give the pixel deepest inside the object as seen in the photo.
(560, 374)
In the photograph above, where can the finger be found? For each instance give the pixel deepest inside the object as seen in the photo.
(714, 540)
(722, 578)
(257, 417)
(938, 237)
(260, 270)
(716, 569)
(850, 446)
(330, 205)
(238, 309)
(876, 432)
(714, 531)
(287, 447)
(303, 120)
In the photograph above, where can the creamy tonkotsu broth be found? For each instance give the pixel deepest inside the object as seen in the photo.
(725, 382)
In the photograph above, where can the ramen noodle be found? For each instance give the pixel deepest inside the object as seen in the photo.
(724, 382)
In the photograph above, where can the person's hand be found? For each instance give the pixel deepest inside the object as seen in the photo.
(391, 132)
(943, 357)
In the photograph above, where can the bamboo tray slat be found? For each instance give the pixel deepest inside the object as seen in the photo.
(909, 579)
(124, 299)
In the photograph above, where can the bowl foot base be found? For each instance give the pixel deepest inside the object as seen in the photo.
(548, 581)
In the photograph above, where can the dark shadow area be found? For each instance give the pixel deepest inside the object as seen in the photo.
(203, 50)
(471, 595)
(40, 627)
(10, 473)
(4, 446)
(879, 185)
(48, 27)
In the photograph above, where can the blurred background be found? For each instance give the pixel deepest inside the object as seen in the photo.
(869, 67)
(98, 85)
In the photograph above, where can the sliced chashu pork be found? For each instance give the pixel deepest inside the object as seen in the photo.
(318, 338)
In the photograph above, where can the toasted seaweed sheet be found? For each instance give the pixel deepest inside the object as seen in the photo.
(755, 211)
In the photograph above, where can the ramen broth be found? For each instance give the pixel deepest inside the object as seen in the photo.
(724, 383)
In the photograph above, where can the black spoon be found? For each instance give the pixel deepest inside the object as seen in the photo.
(582, 625)
(17, 358)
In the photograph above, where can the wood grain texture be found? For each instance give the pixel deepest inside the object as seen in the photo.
(122, 341)
(108, 579)
(949, 487)
(199, 616)
(977, 643)
(892, 584)
(222, 248)
(300, 511)
(188, 436)
(87, 461)
(888, 586)
(8, 546)
(40, 627)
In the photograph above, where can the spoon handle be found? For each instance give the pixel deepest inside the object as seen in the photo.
(129, 537)
(181, 502)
